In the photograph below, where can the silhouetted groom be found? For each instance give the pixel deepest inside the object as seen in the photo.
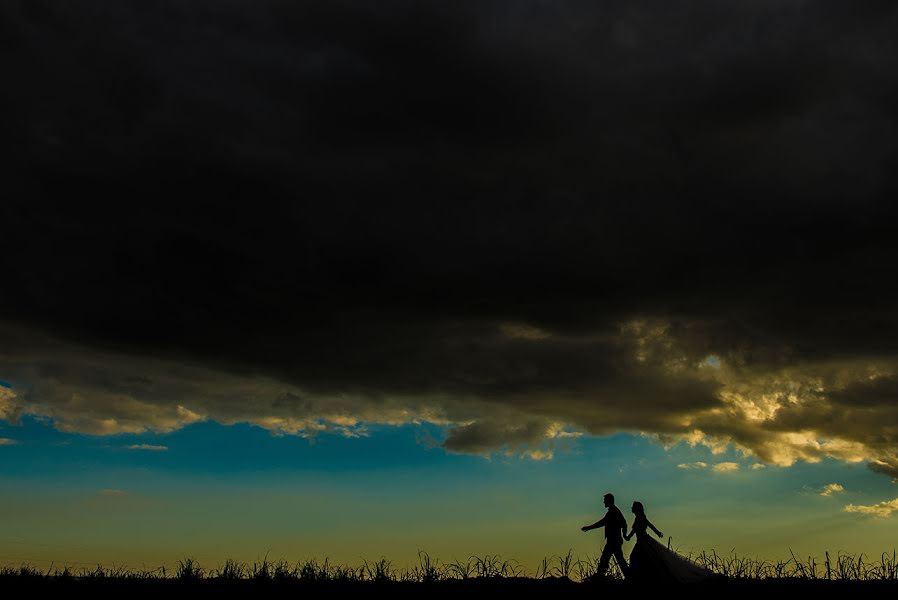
(615, 529)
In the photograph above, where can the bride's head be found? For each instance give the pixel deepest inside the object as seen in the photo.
(638, 509)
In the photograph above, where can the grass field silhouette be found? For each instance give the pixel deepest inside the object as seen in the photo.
(477, 574)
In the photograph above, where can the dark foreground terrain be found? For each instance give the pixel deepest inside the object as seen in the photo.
(23, 587)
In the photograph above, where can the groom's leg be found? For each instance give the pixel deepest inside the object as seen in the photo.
(607, 551)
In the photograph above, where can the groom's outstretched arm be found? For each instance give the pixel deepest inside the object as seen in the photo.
(596, 525)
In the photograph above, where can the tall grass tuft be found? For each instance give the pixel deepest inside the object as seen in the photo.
(189, 570)
(427, 570)
(492, 566)
(461, 570)
(379, 571)
(231, 570)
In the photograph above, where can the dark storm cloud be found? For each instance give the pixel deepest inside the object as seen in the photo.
(888, 466)
(870, 409)
(503, 215)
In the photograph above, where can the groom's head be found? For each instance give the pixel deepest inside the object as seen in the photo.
(609, 500)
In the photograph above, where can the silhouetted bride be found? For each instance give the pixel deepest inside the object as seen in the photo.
(652, 562)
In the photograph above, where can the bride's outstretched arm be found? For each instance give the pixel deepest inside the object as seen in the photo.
(655, 529)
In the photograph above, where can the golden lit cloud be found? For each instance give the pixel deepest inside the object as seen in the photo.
(693, 466)
(831, 488)
(9, 409)
(726, 467)
(722, 467)
(882, 509)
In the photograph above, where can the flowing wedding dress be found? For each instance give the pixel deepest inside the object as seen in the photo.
(652, 562)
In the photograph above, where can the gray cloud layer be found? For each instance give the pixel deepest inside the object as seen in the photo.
(521, 220)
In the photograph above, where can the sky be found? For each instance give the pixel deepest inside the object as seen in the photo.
(353, 280)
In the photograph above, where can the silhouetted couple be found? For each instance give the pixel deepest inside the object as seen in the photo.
(650, 561)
